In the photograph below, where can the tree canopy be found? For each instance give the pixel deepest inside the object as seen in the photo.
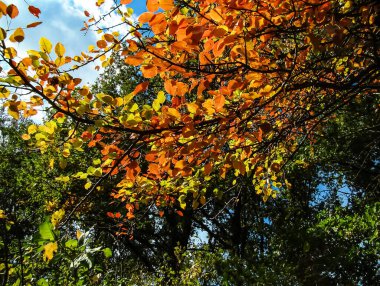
(211, 117)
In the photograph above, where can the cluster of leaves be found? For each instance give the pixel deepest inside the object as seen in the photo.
(204, 106)
(244, 83)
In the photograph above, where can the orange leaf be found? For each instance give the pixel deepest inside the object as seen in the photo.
(166, 4)
(101, 44)
(145, 17)
(174, 112)
(208, 168)
(109, 38)
(125, 1)
(150, 157)
(219, 102)
(134, 60)
(141, 87)
(34, 11)
(35, 24)
(12, 11)
(179, 213)
(152, 5)
(180, 164)
(154, 169)
(3, 8)
(158, 23)
(149, 71)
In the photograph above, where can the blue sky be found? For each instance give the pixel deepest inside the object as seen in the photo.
(62, 21)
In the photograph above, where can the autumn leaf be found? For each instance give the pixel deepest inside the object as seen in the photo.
(174, 112)
(3, 34)
(34, 11)
(152, 5)
(101, 44)
(149, 71)
(145, 17)
(34, 24)
(59, 50)
(219, 102)
(134, 60)
(17, 36)
(45, 45)
(141, 87)
(12, 11)
(49, 250)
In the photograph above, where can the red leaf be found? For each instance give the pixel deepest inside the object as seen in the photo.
(35, 24)
(118, 215)
(111, 215)
(34, 11)
(86, 13)
(180, 213)
(86, 135)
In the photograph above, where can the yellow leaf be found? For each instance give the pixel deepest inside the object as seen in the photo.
(13, 111)
(88, 185)
(45, 45)
(51, 163)
(156, 105)
(58, 215)
(60, 61)
(49, 250)
(32, 129)
(180, 164)
(25, 136)
(10, 53)
(192, 107)
(2, 214)
(174, 112)
(161, 97)
(66, 153)
(3, 34)
(4, 93)
(18, 36)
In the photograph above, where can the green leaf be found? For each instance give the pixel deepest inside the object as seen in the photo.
(46, 231)
(42, 282)
(72, 243)
(107, 252)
